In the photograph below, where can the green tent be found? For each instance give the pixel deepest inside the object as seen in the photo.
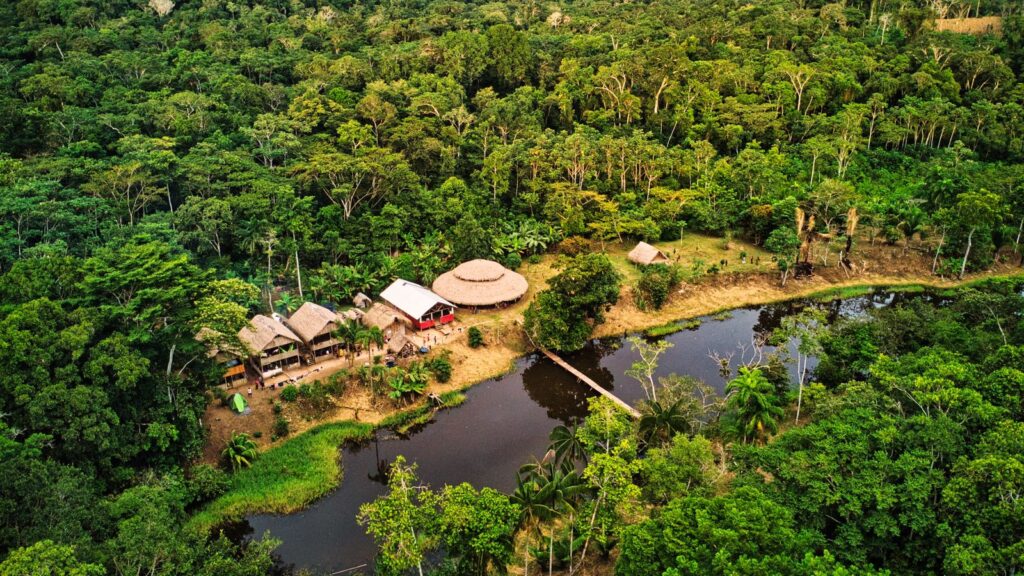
(238, 403)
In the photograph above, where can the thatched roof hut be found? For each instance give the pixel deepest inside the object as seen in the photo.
(481, 283)
(362, 301)
(271, 340)
(312, 320)
(386, 318)
(645, 254)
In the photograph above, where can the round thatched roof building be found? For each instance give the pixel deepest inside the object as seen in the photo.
(480, 283)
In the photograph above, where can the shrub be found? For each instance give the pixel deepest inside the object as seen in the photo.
(281, 427)
(441, 367)
(221, 396)
(278, 407)
(534, 259)
(574, 246)
(205, 483)
(290, 393)
(305, 391)
(476, 337)
(655, 285)
(512, 261)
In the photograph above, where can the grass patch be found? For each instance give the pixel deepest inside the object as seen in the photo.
(722, 316)
(841, 293)
(672, 328)
(402, 422)
(285, 478)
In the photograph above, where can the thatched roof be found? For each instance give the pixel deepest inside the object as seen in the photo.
(351, 314)
(362, 301)
(311, 320)
(481, 283)
(383, 316)
(263, 333)
(645, 254)
(411, 298)
(396, 343)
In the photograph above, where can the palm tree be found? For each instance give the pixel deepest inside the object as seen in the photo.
(560, 490)
(348, 334)
(753, 405)
(375, 336)
(240, 451)
(532, 509)
(287, 302)
(566, 445)
(662, 423)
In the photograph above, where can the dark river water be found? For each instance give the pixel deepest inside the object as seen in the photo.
(503, 424)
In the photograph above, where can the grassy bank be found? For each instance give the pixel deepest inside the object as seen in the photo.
(827, 294)
(285, 478)
(290, 476)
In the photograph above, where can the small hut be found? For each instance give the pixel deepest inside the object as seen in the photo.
(271, 342)
(362, 301)
(421, 306)
(386, 318)
(644, 254)
(481, 283)
(224, 354)
(316, 325)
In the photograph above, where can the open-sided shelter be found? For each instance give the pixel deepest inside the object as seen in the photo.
(422, 307)
(481, 283)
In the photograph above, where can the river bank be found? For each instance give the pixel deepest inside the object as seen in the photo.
(276, 484)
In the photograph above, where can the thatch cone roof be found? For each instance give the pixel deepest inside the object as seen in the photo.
(310, 320)
(263, 333)
(481, 283)
(645, 254)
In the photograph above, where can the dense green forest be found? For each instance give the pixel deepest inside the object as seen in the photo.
(167, 166)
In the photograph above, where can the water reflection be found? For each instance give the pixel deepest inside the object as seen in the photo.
(505, 422)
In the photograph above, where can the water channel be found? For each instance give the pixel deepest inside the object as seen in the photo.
(504, 423)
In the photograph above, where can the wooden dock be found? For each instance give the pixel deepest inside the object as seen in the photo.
(586, 380)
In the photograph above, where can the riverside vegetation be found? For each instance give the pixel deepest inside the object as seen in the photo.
(170, 166)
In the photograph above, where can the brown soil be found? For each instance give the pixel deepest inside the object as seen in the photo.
(739, 284)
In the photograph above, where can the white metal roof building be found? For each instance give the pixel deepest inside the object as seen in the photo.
(425, 308)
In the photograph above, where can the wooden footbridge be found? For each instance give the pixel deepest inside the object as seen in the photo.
(586, 380)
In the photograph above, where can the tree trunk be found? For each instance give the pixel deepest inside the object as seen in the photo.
(298, 274)
(938, 250)
(1016, 243)
(551, 552)
(802, 367)
(967, 253)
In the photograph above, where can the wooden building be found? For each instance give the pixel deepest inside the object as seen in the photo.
(272, 344)
(232, 361)
(422, 307)
(316, 326)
